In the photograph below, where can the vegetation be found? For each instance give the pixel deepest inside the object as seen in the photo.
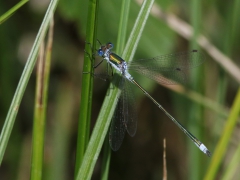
(50, 113)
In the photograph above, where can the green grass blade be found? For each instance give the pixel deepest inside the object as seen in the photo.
(13, 110)
(106, 160)
(195, 116)
(39, 121)
(122, 31)
(225, 139)
(232, 167)
(10, 12)
(98, 135)
(133, 40)
(43, 71)
(104, 119)
(228, 43)
(87, 85)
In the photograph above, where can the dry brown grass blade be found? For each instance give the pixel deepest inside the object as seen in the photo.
(164, 160)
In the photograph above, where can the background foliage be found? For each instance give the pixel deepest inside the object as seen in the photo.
(139, 157)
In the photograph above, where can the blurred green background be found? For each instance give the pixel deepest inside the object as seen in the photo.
(139, 157)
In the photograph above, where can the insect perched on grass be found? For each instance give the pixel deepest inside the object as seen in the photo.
(166, 69)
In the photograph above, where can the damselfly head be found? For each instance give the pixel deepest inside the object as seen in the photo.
(104, 49)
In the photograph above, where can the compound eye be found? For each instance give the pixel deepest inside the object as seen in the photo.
(100, 52)
(109, 45)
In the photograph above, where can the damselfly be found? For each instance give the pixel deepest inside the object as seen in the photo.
(165, 69)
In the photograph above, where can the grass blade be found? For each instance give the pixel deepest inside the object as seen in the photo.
(13, 110)
(87, 85)
(39, 121)
(224, 140)
(122, 31)
(194, 108)
(43, 71)
(10, 12)
(106, 160)
(232, 166)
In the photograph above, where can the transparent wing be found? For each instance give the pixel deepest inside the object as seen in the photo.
(124, 118)
(117, 129)
(130, 110)
(168, 69)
